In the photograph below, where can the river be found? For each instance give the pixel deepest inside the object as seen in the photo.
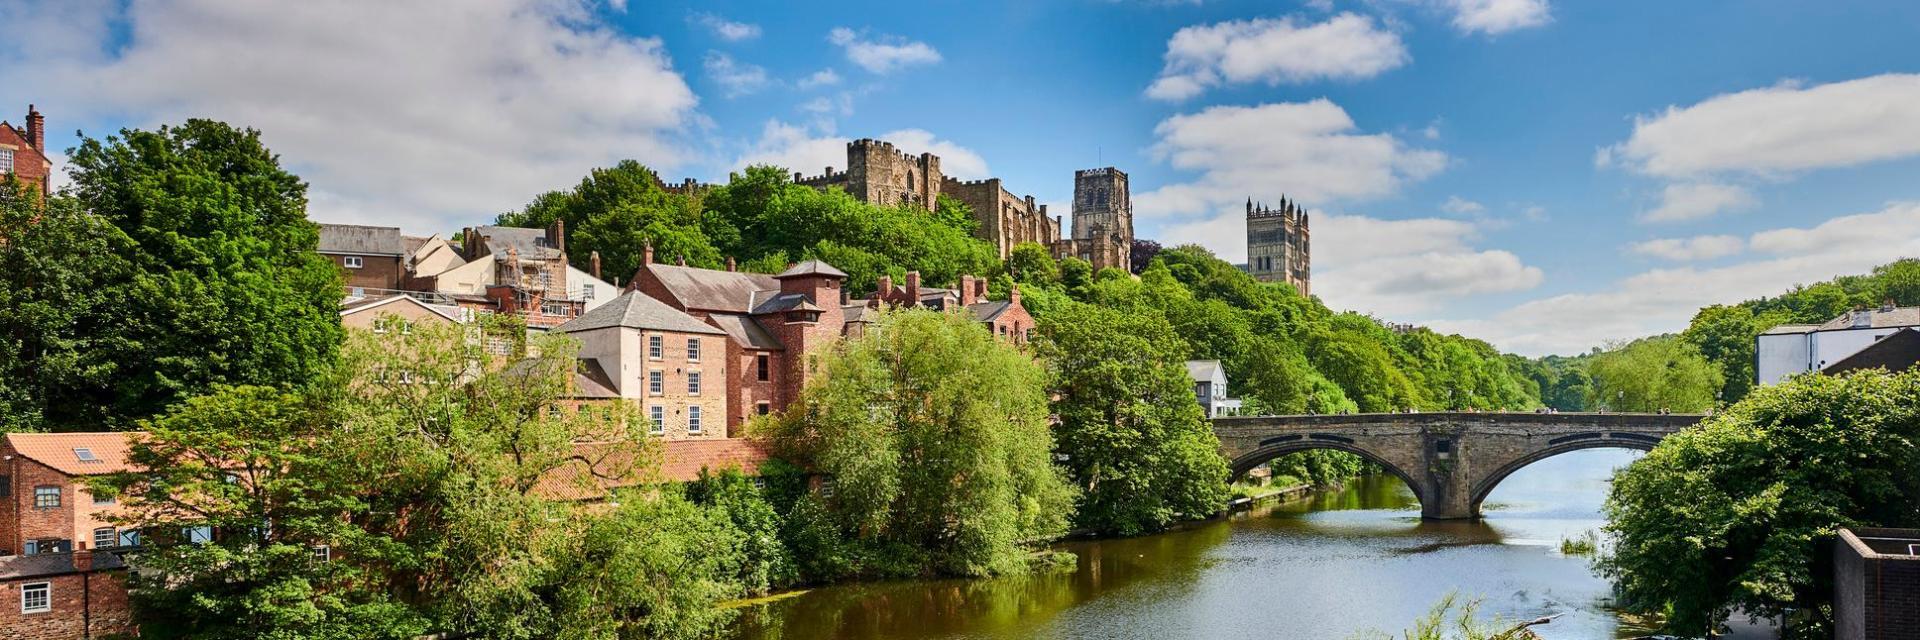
(1332, 565)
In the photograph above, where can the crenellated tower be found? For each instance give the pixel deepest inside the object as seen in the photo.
(1279, 247)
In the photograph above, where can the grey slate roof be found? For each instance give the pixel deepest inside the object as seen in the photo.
(639, 311)
(53, 564)
(811, 268)
(784, 302)
(1878, 319)
(747, 332)
(529, 243)
(713, 290)
(990, 310)
(361, 240)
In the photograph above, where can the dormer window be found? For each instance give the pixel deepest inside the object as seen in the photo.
(802, 315)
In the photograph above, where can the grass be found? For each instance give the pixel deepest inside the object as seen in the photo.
(1586, 544)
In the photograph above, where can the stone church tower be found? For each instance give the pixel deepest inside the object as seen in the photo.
(1102, 219)
(1278, 248)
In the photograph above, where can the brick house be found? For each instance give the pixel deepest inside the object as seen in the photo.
(23, 152)
(1007, 319)
(1876, 584)
(637, 349)
(48, 507)
(397, 312)
(372, 257)
(771, 323)
(61, 596)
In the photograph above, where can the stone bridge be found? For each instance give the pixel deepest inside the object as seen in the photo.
(1450, 460)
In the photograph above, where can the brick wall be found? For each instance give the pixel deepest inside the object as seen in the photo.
(375, 272)
(30, 164)
(22, 520)
(1876, 591)
(745, 390)
(96, 599)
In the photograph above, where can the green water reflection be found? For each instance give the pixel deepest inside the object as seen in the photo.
(1326, 566)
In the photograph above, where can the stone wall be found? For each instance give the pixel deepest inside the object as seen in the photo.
(1005, 219)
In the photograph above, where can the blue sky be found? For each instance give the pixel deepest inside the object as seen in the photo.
(1545, 174)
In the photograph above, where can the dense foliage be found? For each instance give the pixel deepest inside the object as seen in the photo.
(1725, 334)
(192, 266)
(1654, 374)
(1733, 516)
(1133, 439)
(936, 438)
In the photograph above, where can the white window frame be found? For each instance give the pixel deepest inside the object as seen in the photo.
(112, 537)
(352, 262)
(656, 382)
(657, 416)
(693, 419)
(693, 383)
(322, 552)
(693, 349)
(6, 161)
(656, 347)
(45, 591)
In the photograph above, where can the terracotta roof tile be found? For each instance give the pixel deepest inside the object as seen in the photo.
(601, 467)
(57, 450)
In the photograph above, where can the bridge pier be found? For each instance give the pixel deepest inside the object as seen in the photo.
(1451, 461)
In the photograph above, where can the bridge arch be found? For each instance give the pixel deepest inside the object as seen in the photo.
(1487, 483)
(1267, 452)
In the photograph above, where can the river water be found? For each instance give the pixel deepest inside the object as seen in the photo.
(1333, 565)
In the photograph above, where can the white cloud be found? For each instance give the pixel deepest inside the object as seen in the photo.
(725, 29)
(797, 149)
(1664, 300)
(821, 78)
(1494, 17)
(397, 113)
(1461, 206)
(1345, 47)
(883, 55)
(735, 78)
(1778, 130)
(1308, 151)
(1690, 249)
(1685, 201)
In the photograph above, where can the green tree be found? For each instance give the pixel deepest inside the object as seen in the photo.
(1033, 265)
(935, 436)
(650, 570)
(1135, 441)
(765, 562)
(225, 287)
(64, 276)
(1729, 517)
(1652, 374)
(619, 210)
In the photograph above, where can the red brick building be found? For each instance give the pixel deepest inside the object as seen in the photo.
(63, 596)
(372, 257)
(23, 151)
(1007, 319)
(47, 506)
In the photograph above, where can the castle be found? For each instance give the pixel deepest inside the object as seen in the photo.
(1278, 248)
(1102, 231)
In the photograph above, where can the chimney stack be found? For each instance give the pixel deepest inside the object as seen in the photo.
(646, 255)
(680, 260)
(966, 290)
(1013, 294)
(884, 288)
(83, 558)
(730, 264)
(980, 290)
(36, 129)
(594, 262)
(557, 236)
(913, 288)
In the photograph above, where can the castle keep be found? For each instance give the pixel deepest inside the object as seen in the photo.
(879, 173)
(1277, 245)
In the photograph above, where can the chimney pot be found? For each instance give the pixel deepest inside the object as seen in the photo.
(730, 263)
(36, 129)
(680, 260)
(883, 288)
(646, 255)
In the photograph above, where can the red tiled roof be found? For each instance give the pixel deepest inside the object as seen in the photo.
(682, 460)
(56, 450)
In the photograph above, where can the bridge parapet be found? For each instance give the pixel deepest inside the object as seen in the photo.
(1451, 460)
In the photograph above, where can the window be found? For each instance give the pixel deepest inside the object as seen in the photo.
(762, 408)
(693, 419)
(554, 308)
(104, 537)
(693, 383)
(6, 486)
(48, 545)
(198, 535)
(6, 161)
(655, 348)
(102, 500)
(353, 262)
(659, 416)
(46, 497)
(322, 553)
(656, 382)
(586, 293)
(380, 325)
(84, 454)
(129, 537)
(693, 349)
(36, 597)
(763, 368)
